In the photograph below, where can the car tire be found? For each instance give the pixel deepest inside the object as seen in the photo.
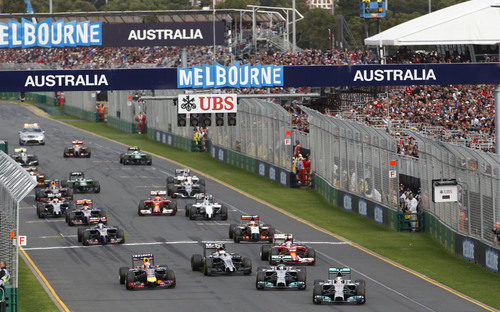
(196, 262)
(247, 264)
(142, 205)
(273, 252)
(207, 266)
(361, 290)
(224, 212)
(311, 253)
(302, 277)
(79, 234)
(271, 233)
(261, 277)
(317, 291)
(265, 250)
(85, 238)
(231, 230)
(69, 218)
(130, 279)
(97, 187)
(122, 273)
(120, 233)
(170, 276)
(39, 211)
(192, 213)
(237, 235)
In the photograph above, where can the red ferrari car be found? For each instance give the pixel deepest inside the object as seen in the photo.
(285, 250)
(158, 204)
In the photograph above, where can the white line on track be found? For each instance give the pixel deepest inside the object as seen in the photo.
(45, 220)
(376, 282)
(227, 241)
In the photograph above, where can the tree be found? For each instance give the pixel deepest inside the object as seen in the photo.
(313, 29)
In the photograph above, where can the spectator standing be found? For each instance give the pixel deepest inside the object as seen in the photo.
(4, 274)
(413, 205)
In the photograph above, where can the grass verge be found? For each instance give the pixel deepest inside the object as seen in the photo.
(417, 251)
(32, 296)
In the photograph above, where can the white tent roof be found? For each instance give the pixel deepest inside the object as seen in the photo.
(471, 22)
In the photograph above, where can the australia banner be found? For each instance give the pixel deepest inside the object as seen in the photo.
(58, 34)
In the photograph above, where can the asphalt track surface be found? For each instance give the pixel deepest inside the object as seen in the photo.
(86, 278)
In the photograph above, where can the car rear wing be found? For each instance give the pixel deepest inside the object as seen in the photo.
(84, 201)
(158, 193)
(77, 142)
(143, 258)
(281, 238)
(76, 174)
(213, 246)
(334, 272)
(181, 171)
(256, 218)
(20, 150)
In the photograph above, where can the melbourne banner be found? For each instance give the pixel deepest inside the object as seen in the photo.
(249, 76)
(48, 33)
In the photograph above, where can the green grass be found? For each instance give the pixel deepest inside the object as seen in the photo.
(417, 251)
(32, 296)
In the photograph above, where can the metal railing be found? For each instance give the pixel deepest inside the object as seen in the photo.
(15, 184)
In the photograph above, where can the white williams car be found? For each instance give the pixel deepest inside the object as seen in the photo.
(206, 208)
(31, 134)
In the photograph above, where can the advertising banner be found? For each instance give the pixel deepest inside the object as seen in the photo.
(58, 34)
(286, 76)
(162, 34)
(206, 103)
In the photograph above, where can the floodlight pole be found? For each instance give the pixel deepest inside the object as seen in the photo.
(213, 28)
(430, 4)
(50, 6)
(294, 43)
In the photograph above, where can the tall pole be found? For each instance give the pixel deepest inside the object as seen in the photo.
(294, 43)
(213, 24)
(430, 2)
(254, 33)
(50, 6)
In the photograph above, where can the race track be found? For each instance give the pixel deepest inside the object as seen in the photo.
(86, 278)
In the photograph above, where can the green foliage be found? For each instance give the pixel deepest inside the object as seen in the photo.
(313, 30)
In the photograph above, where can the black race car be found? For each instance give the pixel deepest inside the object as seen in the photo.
(215, 260)
(80, 184)
(145, 274)
(100, 234)
(53, 191)
(77, 150)
(134, 156)
(84, 213)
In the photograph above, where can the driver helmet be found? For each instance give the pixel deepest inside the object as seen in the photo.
(147, 265)
(100, 226)
(222, 251)
(253, 223)
(338, 280)
(288, 243)
(55, 200)
(281, 266)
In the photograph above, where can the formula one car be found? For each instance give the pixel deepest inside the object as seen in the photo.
(339, 288)
(284, 250)
(33, 172)
(42, 181)
(54, 190)
(184, 184)
(85, 214)
(53, 208)
(100, 234)
(218, 261)
(23, 158)
(205, 208)
(134, 156)
(252, 231)
(80, 184)
(145, 274)
(158, 204)
(77, 150)
(281, 277)
(31, 134)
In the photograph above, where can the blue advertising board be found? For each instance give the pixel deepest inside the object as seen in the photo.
(288, 76)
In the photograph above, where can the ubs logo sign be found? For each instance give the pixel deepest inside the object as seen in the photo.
(378, 214)
(468, 249)
(163, 138)
(169, 139)
(272, 173)
(362, 207)
(158, 136)
(262, 169)
(213, 152)
(347, 202)
(492, 260)
(221, 154)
